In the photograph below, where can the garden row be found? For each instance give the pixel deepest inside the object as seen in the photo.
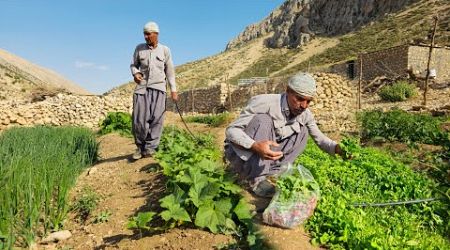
(199, 191)
(38, 166)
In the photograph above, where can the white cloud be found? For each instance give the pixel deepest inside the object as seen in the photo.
(90, 65)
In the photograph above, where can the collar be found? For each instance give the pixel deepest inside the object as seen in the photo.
(151, 47)
(285, 106)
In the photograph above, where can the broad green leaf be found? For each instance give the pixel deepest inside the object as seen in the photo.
(208, 217)
(242, 210)
(198, 195)
(143, 219)
(132, 224)
(224, 205)
(168, 201)
(231, 187)
(176, 213)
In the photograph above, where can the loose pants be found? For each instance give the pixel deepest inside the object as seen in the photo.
(148, 118)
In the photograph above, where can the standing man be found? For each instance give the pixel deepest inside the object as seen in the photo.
(273, 130)
(151, 67)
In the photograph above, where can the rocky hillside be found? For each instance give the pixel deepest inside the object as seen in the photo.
(337, 31)
(295, 22)
(20, 78)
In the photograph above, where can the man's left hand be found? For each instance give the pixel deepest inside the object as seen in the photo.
(174, 95)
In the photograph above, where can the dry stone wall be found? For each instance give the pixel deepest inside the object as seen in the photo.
(335, 100)
(334, 105)
(62, 109)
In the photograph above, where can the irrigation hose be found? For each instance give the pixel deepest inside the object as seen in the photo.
(393, 203)
(182, 119)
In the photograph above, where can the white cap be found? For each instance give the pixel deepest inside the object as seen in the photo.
(303, 83)
(151, 27)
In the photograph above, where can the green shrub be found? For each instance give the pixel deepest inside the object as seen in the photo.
(85, 204)
(212, 120)
(116, 122)
(399, 91)
(399, 125)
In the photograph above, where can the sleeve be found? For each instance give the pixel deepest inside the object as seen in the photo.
(235, 132)
(324, 143)
(169, 69)
(135, 64)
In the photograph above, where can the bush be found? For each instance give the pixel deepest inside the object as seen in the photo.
(399, 125)
(116, 122)
(212, 120)
(399, 91)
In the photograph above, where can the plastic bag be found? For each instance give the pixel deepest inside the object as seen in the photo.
(295, 198)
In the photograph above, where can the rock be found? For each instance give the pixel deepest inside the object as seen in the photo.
(21, 121)
(57, 236)
(92, 170)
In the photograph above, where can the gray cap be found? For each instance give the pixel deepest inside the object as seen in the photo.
(303, 83)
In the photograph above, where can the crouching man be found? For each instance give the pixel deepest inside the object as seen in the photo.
(272, 131)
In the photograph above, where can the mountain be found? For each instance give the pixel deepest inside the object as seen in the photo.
(20, 78)
(312, 35)
(296, 21)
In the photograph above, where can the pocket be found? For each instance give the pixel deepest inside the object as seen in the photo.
(143, 58)
(159, 63)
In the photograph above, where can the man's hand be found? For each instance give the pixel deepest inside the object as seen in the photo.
(262, 148)
(138, 77)
(174, 95)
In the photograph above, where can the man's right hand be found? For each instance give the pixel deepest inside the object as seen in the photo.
(262, 148)
(138, 77)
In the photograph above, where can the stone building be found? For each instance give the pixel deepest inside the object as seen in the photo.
(397, 61)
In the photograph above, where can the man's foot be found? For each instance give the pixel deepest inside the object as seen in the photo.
(137, 154)
(264, 189)
(148, 152)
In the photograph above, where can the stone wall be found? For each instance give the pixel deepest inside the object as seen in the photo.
(200, 100)
(396, 61)
(62, 109)
(391, 62)
(440, 60)
(335, 100)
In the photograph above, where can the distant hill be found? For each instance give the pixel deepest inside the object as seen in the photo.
(315, 34)
(20, 78)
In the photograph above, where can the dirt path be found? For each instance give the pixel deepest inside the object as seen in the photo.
(127, 188)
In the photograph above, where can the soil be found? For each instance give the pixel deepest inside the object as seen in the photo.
(128, 187)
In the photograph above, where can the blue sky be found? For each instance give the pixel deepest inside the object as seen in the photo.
(91, 41)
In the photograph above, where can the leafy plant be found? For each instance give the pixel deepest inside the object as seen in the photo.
(116, 122)
(216, 120)
(85, 204)
(141, 221)
(399, 125)
(102, 217)
(373, 177)
(295, 185)
(350, 147)
(199, 190)
(399, 91)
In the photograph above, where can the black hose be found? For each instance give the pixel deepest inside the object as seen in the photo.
(393, 203)
(182, 119)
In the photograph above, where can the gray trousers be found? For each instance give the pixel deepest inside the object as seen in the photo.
(148, 118)
(256, 169)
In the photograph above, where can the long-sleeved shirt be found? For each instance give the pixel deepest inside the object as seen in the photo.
(156, 66)
(276, 106)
